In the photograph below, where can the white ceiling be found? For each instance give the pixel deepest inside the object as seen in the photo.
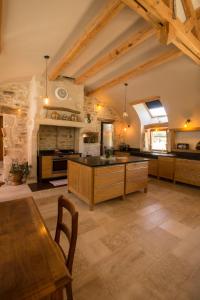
(34, 28)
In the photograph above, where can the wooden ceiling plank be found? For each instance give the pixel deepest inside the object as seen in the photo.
(132, 42)
(94, 27)
(139, 70)
(158, 10)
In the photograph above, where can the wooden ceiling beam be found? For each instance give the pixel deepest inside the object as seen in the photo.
(159, 13)
(132, 42)
(94, 27)
(190, 13)
(139, 70)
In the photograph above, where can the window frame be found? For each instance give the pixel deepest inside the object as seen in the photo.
(159, 129)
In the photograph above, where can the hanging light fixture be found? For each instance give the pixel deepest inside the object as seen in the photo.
(46, 98)
(125, 114)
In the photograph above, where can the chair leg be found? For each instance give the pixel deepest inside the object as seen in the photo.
(69, 291)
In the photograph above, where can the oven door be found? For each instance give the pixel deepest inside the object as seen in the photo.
(59, 165)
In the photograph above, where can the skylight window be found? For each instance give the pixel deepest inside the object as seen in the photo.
(156, 109)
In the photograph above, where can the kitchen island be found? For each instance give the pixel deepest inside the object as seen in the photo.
(96, 179)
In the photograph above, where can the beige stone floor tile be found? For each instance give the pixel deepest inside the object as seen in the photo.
(95, 251)
(149, 209)
(176, 228)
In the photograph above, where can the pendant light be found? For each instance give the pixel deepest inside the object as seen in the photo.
(125, 114)
(46, 98)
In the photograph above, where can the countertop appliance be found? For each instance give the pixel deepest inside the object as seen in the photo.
(183, 146)
(198, 146)
(124, 147)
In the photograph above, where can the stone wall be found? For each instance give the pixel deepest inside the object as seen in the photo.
(100, 112)
(53, 137)
(14, 96)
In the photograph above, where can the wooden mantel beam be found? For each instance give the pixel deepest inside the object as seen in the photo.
(159, 14)
(133, 41)
(1, 16)
(94, 27)
(139, 70)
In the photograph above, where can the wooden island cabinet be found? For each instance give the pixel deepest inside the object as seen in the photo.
(95, 180)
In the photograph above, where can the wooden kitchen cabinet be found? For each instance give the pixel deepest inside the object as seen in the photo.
(166, 167)
(136, 177)
(187, 171)
(153, 167)
(46, 166)
(108, 182)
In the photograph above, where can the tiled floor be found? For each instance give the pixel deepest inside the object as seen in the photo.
(144, 248)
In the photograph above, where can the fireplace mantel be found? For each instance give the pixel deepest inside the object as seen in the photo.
(64, 123)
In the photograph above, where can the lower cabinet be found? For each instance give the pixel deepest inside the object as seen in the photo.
(46, 166)
(187, 171)
(166, 167)
(108, 182)
(136, 177)
(153, 167)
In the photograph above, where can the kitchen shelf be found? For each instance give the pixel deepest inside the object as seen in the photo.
(61, 109)
(63, 123)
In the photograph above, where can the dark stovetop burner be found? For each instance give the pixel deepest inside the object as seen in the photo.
(56, 152)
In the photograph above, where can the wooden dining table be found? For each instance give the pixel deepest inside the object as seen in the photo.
(31, 265)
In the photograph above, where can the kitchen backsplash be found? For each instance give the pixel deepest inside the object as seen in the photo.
(52, 137)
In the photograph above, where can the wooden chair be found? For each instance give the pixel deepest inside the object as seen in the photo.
(71, 235)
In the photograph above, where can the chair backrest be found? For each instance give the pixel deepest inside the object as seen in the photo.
(71, 235)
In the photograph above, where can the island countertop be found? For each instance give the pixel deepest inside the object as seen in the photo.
(97, 161)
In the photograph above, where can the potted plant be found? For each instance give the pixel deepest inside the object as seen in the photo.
(19, 171)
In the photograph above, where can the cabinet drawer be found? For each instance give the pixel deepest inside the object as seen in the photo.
(103, 180)
(107, 170)
(135, 166)
(111, 191)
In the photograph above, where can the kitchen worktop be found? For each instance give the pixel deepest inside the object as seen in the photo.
(97, 161)
(176, 154)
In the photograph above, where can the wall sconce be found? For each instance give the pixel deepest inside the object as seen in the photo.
(98, 107)
(187, 122)
(125, 129)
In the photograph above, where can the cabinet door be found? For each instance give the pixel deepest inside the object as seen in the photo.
(80, 179)
(187, 171)
(136, 176)
(46, 166)
(153, 167)
(73, 176)
(166, 167)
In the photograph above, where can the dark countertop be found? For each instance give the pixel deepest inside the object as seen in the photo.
(54, 153)
(155, 155)
(96, 161)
